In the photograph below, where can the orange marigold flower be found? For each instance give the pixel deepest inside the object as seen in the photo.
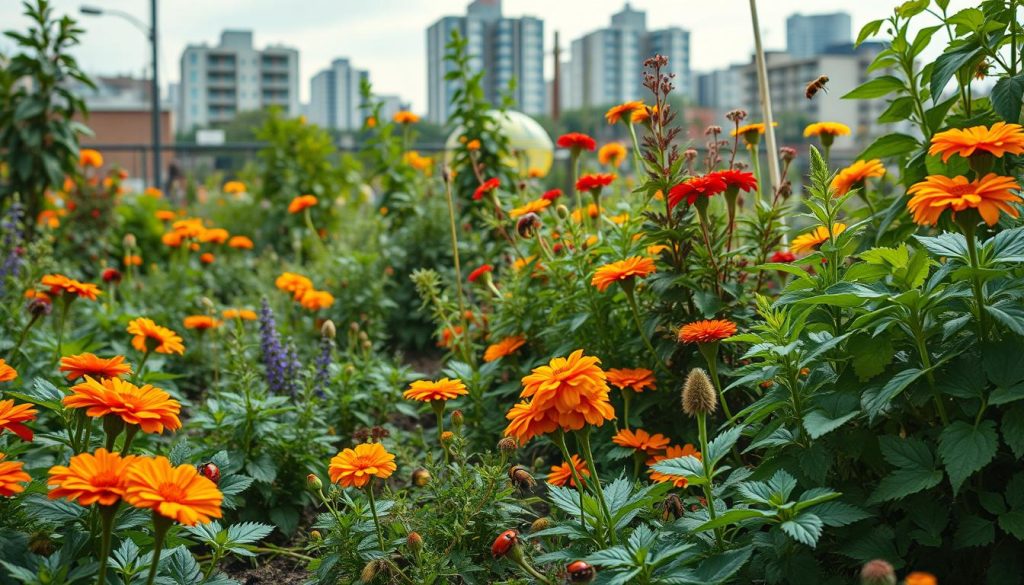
(13, 416)
(595, 181)
(293, 283)
(592, 213)
(48, 217)
(240, 243)
(7, 373)
(576, 141)
(214, 236)
(234, 187)
(172, 239)
(673, 452)
(636, 379)
(856, 173)
(152, 337)
(153, 192)
(473, 145)
(535, 206)
(640, 440)
(88, 157)
(562, 474)
(165, 215)
(428, 391)
(191, 227)
(356, 467)
(503, 348)
(920, 578)
(623, 270)
(301, 202)
(623, 112)
(11, 477)
(133, 260)
(708, 331)
(59, 283)
(88, 364)
(528, 421)
(990, 195)
(314, 300)
(829, 128)
(573, 389)
(612, 154)
(180, 493)
(813, 239)
(207, 258)
(643, 114)
(998, 140)
(200, 322)
(405, 117)
(243, 314)
(152, 409)
(91, 478)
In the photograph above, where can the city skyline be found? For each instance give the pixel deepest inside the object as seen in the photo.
(388, 37)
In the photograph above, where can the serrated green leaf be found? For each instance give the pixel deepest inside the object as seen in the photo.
(974, 531)
(1012, 523)
(870, 355)
(903, 482)
(818, 424)
(1007, 95)
(965, 449)
(805, 528)
(1012, 429)
(248, 532)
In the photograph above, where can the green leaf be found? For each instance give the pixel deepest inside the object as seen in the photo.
(248, 532)
(1012, 523)
(870, 355)
(948, 64)
(689, 467)
(965, 449)
(1012, 428)
(805, 528)
(890, 145)
(181, 566)
(903, 482)
(818, 424)
(839, 513)
(875, 88)
(719, 447)
(1007, 95)
(869, 30)
(731, 517)
(946, 245)
(909, 453)
(876, 398)
(912, 8)
(974, 531)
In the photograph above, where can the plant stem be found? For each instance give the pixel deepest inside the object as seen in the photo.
(583, 438)
(533, 572)
(376, 520)
(628, 289)
(969, 228)
(559, 441)
(926, 361)
(710, 353)
(160, 527)
(637, 160)
(466, 353)
(107, 524)
(702, 429)
(65, 307)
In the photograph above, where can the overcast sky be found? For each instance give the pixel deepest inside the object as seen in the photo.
(388, 36)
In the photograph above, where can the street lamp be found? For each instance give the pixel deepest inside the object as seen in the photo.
(151, 33)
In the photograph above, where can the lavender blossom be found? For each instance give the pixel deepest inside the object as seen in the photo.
(323, 364)
(13, 240)
(292, 365)
(274, 358)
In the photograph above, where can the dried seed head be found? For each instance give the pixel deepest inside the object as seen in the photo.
(420, 477)
(877, 572)
(736, 116)
(507, 445)
(540, 524)
(787, 153)
(699, 394)
(328, 329)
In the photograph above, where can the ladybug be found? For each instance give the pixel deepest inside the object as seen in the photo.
(504, 543)
(580, 572)
(209, 471)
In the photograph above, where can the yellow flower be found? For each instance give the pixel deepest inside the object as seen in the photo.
(535, 206)
(611, 154)
(830, 128)
(811, 240)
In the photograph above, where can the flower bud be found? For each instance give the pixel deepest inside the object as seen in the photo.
(313, 483)
(206, 303)
(562, 211)
(129, 240)
(112, 275)
(209, 471)
(877, 572)
(787, 153)
(415, 542)
(447, 437)
(458, 419)
(420, 477)
(540, 524)
(328, 329)
(508, 445)
(315, 535)
(699, 394)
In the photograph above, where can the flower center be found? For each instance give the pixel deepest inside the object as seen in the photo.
(171, 492)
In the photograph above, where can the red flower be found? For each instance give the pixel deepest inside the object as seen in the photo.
(111, 275)
(488, 186)
(783, 256)
(707, 186)
(594, 182)
(552, 194)
(576, 141)
(737, 179)
(479, 272)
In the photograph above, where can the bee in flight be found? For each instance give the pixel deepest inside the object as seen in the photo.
(814, 86)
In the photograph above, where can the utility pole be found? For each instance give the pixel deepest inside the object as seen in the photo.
(155, 94)
(556, 84)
